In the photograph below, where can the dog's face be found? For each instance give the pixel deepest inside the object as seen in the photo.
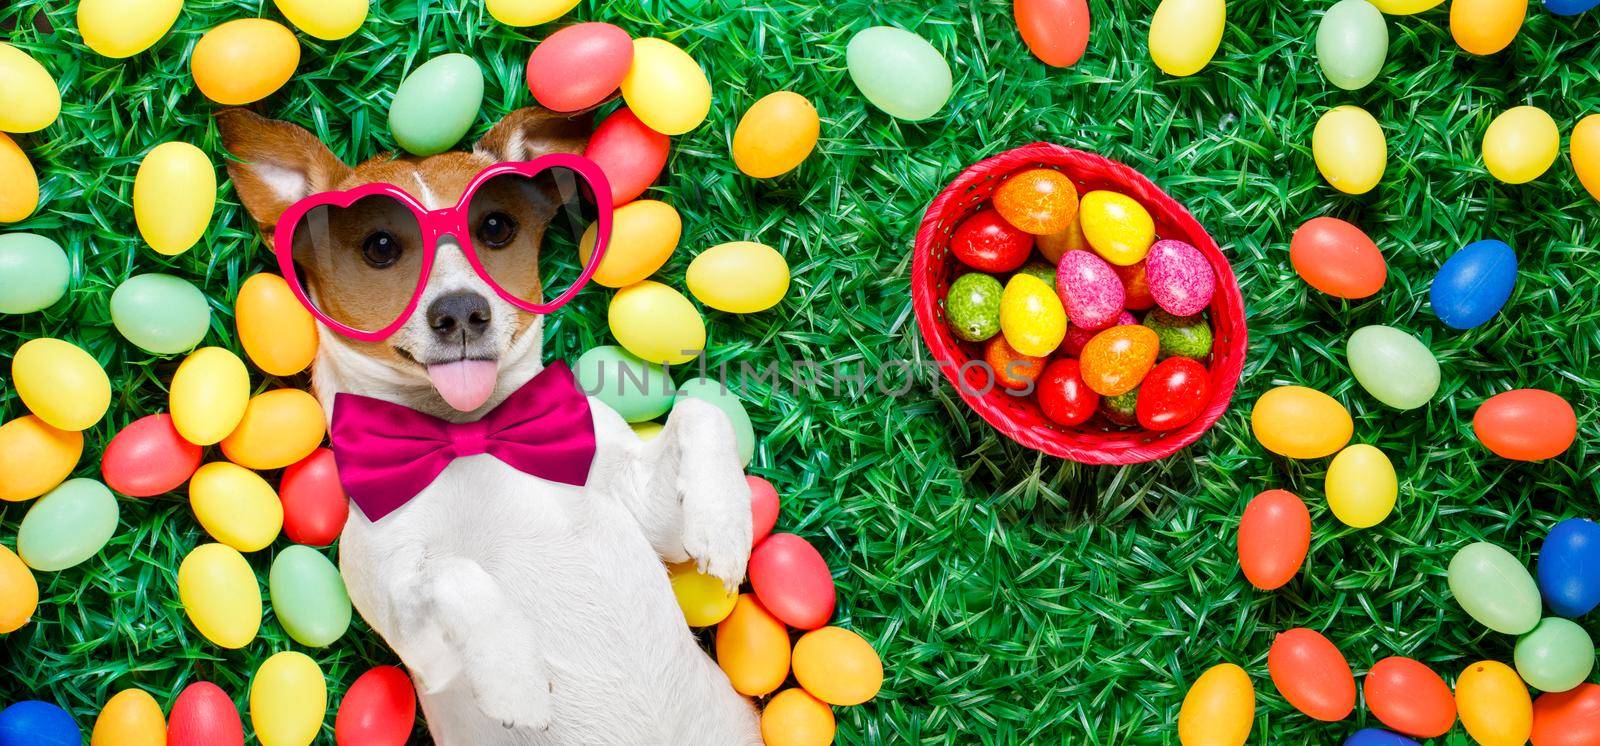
(361, 263)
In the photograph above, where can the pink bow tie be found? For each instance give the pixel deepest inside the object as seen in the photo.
(387, 453)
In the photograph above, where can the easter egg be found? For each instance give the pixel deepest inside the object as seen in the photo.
(148, 458)
(288, 699)
(35, 457)
(161, 314)
(1117, 226)
(130, 718)
(579, 66)
(1078, 337)
(278, 334)
(795, 718)
(764, 507)
(1173, 394)
(1117, 359)
(1409, 697)
(775, 135)
(1135, 285)
(244, 60)
(123, 28)
(1056, 31)
(629, 153)
(67, 526)
(1584, 147)
(308, 596)
(1011, 369)
(703, 598)
(1274, 535)
(973, 307)
(1312, 674)
(1055, 245)
(656, 323)
(204, 715)
(1404, 7)
(666, 88)
(1569, 7)
(646, 431)
(220, 595)
(279, 427)
(637, 390)
(329, 20)
(1185, 34)
(987, 243)
(436, 104)
(644, 234)
(1556, 655)
(33, 273)
(21, 195)
(1337, 258)
(34, 723)
(1090, 290)
(1494, 588)
(1526, 425)
(528, 12)
(235, 505)
(1393, 366)
(753, 648)
(1569, 718)
(1122, 409)
(1300, 423)
(1520, 144)
(1063, 396)
(1377, 737)
(716, 394)
(19, 592)
(1031, 316)
(1474, 284)
(1040, 201)
(208, 395)
(1494, 705)
(739, 277)
(1180, 336)
(899, 72)
(1361, 486)
(29, 98)
(1349, 149)
(1352, 42)
(1218, 709)
(1181, 280)
(379, 709)
(1569, 567)
(314, 504)
(837, 666)
(60, 383)
(792, 581)
(1486, 26)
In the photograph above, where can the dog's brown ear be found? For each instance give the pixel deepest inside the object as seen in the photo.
(277, 164)
(532, 131)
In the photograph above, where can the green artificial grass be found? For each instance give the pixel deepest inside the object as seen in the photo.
(1015, 598)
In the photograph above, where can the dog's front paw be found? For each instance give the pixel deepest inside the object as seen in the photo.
(521, 703)
(716, 529)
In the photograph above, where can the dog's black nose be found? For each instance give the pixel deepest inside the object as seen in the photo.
(460, 313)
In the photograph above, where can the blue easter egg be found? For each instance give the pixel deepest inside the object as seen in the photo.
(34, 723)
(1569, 7)
(1569, 567)
(1474, 284)
(1376, 737)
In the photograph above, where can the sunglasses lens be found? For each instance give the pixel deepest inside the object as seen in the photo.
(526, 231)
(360, 264)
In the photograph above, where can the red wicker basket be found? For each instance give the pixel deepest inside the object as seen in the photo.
(1019, 418)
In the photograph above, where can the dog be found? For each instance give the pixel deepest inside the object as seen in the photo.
(527, 611)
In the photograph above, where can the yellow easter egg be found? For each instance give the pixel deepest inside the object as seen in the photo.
(235, 505)
(646, 430)
(1053, 246)
(20, 194)
(1349, 149)
(1301, 423)
(35, 457)
(739, 277)
(244, 60)
(656, 323)
(1486, 26)
(753, 648)
(1361, 486)
(29, 98)
(19, 593)
(279, 427)
(174, 193)
(837, 666)
(666, 88)
(1494, 704)
(60, 383)
(1520, 144)
(288, 700)
(795, 718)
(329, 20)
(703, 598)
(528, 12)
(123, 28)
(208, 396)
(1218, 709)
(278, 334)
(1404, 7)
(1585, 151)
(130, 718)
(1185, 34)
(644, 233)
(1117, 226)
(220, 594)
(775, 135)
(1031, 316)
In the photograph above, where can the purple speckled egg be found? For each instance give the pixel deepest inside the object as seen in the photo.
(1180, 279)
(1090, 290)
(1076, 338)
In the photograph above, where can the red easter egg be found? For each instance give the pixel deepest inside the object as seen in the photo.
(314, 504)
(1135, 286)
(203, 715)
(1056, 31)
(1274, 534)
(1409, 697)
(1312, 674)
(630, 154)
(380, 709)
(1337, 258)
(763, 508)
(1569, 718)
(1173, 393)
(1077, 336)
(1063, 396)
(987, 243)
(1526, 425)
(791, 579)
(579, 66)
(148, 457)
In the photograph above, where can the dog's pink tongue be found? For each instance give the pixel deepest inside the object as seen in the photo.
(465, 384)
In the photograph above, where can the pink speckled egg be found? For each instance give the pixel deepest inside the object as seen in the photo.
(1180, 279)
(1090, 290)
(1076, 338)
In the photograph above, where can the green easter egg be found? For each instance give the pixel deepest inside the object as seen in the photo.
(436, 104)
(1393, 366)
(1556, 656)
(1121, 409)
(1044, 272)
(637, 390)
(711, 391)
(1180, 336)
(1352, 42)
(33, 273)
(973, 307)
(899, 72)
(1494, 588)
(68, 525)
(308, 596)
(160, 313)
